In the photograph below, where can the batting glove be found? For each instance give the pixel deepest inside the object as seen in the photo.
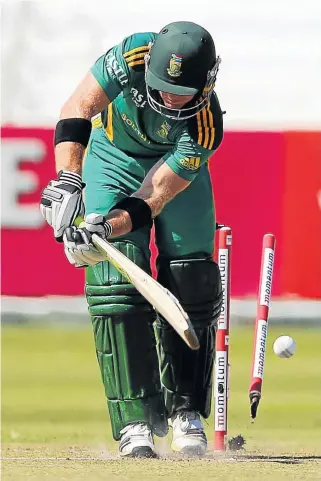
(61, 202)
(97, 224)
(79, 250)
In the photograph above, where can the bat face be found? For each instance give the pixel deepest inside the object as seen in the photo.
(159, 297)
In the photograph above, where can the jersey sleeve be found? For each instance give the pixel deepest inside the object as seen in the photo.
(186, 158)
(111, 72)
(197, 141)
(114, 70)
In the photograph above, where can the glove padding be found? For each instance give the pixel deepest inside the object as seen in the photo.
(61, 202)
(97, 224)
(79, 250)
(77, 241)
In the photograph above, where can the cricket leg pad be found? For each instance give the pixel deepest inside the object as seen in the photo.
(186, 375)
(125, 345)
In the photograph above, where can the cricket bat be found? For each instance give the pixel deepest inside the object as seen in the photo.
(158, 296)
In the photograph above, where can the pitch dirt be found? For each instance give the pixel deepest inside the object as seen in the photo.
(55, 423)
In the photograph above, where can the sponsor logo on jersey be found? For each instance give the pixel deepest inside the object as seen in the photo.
(115, 70)
(175, 65)
(191, 163)
(137, 98)
(132, 124)
(163, 130)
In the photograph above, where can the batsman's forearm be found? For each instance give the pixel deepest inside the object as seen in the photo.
(120, 221)
(69, 156)
(87, 100)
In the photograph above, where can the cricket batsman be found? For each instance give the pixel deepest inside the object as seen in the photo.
(132, 148)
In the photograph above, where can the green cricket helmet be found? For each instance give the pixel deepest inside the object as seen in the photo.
(182, 61)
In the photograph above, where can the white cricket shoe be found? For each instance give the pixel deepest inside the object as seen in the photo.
(188, 434)
(137, 441)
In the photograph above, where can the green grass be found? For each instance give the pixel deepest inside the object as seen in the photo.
(55, 422)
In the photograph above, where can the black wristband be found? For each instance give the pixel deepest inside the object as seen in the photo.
(73, 130)
(139, 211)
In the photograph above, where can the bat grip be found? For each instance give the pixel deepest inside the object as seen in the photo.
(78, 221)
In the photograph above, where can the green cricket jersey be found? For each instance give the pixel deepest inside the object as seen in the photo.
(135, 128)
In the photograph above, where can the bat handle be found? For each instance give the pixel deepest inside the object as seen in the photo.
(78, 221)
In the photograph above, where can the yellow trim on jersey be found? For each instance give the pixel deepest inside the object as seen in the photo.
(138, 62)
(199, 128)
(207, 89)
(143, 48)
(136, 56)
(191, 163)
(97, 122)
(196, 162)
(211, 129)
(205, 128)
(109, 127)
